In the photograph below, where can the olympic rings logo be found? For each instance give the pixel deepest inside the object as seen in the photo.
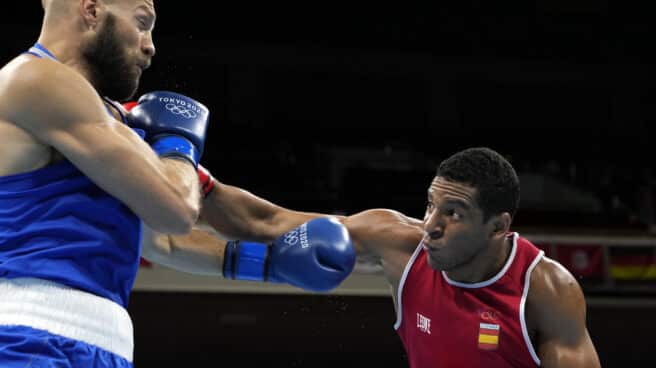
(178, 110)
(291, 237)
(489, 316)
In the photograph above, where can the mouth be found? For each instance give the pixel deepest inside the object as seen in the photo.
(143, 65)
(429, 247)
(433, 245)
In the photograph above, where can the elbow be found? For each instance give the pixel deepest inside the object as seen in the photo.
(186, 215)
(179, 221)
(185, 219)
(153, 254)
(155, 246)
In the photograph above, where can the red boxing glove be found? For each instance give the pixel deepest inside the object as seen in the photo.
(207, 182)
(129, 105)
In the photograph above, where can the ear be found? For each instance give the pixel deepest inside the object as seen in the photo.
(89, 10)
(500, 225)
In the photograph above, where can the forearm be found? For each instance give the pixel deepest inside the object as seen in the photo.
(238, 214)
(316, 255)
(182, 176)
(182, 183)
(199, 252)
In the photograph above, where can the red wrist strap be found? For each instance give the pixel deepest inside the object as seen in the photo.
(207, 182)
(129, 105)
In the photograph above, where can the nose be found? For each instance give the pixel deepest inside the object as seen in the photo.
(433, 224)
(147, 45)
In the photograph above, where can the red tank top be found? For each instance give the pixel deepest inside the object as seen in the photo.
(444, 323)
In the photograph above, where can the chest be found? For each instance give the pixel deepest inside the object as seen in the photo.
(439, 311)
(465, 325)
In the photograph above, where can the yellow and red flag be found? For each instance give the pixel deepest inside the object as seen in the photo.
(488, 336)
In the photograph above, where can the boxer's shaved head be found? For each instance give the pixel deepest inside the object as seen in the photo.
(50, 5)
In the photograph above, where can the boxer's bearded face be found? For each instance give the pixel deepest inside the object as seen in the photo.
(112, 72)
(453, 224)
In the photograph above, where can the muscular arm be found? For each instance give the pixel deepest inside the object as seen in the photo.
(228, 213)
(238, 214)
(235, 213)
(385, 234)
(61, 109)
(556, 307)
(200, 252)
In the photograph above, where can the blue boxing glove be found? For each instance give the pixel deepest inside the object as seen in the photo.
(175, 125)
(316, 256)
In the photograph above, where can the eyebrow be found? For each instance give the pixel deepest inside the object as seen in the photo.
(452, 200)
(458, 202)
(148, 11)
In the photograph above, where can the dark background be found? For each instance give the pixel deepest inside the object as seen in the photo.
(314, 105)
(341, 107)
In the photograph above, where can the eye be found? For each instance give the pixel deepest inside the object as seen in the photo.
(143, 24)
(429, 205)
(453, 214)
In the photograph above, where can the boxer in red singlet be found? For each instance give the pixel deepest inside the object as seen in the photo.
(468, 292)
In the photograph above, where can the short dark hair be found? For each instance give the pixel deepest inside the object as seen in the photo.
(490, 174)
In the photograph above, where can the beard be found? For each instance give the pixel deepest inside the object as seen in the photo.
(111, 72)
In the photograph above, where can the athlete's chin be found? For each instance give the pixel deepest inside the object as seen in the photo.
(133, 91)
(127, 91)
(132, 84)
(438, 263)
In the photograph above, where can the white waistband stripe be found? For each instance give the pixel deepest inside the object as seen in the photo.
(67, 312)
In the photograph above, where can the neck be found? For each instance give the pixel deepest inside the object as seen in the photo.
(485, 264)
(65, 48)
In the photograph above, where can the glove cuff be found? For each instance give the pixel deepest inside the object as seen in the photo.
(175, 146)
(246, 261)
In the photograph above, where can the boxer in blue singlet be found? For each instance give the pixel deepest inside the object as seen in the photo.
(74, 188)
(80, 175)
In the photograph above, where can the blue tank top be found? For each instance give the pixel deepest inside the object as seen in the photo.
(56, 224)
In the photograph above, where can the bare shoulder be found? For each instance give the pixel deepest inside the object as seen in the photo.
(555, 305)
(552, 283)
(556, 318)
(388, 236)
(33, 88)
(378, 230)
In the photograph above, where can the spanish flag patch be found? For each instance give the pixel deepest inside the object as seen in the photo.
(488, 336)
